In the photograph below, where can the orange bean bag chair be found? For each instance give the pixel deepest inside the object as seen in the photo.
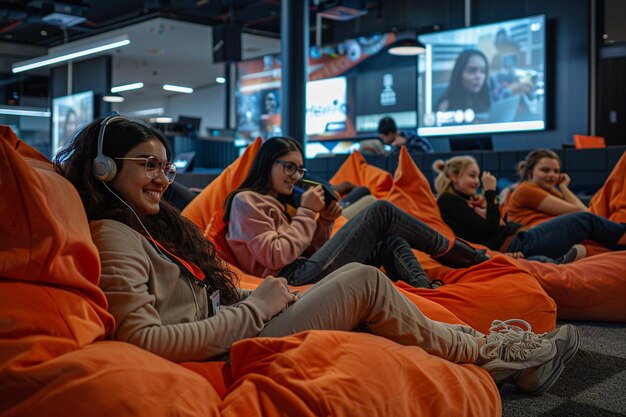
(497, 288)
(590, 289)
(610, 200)
(357, 171)
(470, 302)
(55, 361)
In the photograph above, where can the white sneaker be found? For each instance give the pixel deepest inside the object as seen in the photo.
(540, 378)
(532, 362)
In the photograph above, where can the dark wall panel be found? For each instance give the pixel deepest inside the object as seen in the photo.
(90, 74)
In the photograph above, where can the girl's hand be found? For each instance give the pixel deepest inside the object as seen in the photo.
(313, 198)
(489, 181)
(274, 295)
(331, 212)
(482, 212)
(515, 255)
(478, 201)
(564, 180)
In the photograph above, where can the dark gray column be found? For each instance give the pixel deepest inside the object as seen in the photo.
(227, 88)
(294, 43)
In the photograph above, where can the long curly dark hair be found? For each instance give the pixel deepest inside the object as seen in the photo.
(176, 233)
(259, 178)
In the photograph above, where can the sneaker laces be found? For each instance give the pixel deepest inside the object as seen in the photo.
(510, 342)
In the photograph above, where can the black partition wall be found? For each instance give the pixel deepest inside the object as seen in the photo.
(88, 75)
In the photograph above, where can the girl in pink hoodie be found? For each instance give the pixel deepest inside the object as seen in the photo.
(267, 240)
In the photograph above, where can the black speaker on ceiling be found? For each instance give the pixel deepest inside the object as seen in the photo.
(226, 43)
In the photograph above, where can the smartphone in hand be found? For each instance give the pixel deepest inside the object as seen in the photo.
(329, 195)
(305, 184)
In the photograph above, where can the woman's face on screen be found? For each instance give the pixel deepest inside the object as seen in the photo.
(474, 74)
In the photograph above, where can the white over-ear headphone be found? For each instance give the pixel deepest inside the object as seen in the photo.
(104, 168)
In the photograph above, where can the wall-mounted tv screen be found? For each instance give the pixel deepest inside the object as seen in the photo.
(327, 109)
(483, 79)
(68, 114)
(386, 93)
(333, 72)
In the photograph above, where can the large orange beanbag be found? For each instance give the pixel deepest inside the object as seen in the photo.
(353, 374)
(52, 313)
(207, 208)
(590, 289)
(610, 200)
(357, 171)
(52, 316)
(497, 289)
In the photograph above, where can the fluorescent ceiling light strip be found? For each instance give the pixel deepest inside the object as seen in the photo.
(177, 88)
(161, 120)
(49, 60)
(148, 112)
(113, 99)
(126, 87)
(23, 112)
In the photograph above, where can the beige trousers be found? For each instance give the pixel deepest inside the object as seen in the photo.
(362, 297)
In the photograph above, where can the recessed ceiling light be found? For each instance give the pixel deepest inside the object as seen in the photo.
(161, 120)
(148, 112)
(71, 53)
(113, 99)
(220, 80)
(126, 87)
(178, 88)
(22, 111)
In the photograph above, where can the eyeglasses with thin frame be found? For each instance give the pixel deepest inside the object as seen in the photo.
(153, 165)
(289, 168)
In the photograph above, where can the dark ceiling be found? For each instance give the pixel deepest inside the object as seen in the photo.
(26, 21)
(29, 21)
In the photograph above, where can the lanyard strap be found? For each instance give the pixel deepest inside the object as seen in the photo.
(192, 268)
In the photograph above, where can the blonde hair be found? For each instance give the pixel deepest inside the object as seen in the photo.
(446, 169)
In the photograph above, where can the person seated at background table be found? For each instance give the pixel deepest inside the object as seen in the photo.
(267, 240)
(171, 295)
(390, 135)
(477, 218)
(543, 192)
(468, 87)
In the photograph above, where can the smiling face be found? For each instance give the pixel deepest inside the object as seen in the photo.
(139, 191)
(545, 173)
(281, 183)
(468, 181)
(474, 74)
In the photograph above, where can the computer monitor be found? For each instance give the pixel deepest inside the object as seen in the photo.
(189, 124)
(184, 161)
(68, 114)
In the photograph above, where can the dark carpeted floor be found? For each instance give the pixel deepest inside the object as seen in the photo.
(593, 384)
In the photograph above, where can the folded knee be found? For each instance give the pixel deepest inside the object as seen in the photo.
(362, 274)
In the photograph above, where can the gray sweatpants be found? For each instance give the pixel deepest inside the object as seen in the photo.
(356, 296)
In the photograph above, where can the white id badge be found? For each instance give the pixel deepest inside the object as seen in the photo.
(215, 302)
